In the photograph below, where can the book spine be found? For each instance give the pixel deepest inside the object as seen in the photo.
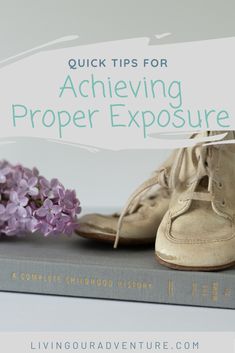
(156, 286)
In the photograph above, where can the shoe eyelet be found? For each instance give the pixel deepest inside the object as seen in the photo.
(223, 203)
(220, 185)
(180, 201)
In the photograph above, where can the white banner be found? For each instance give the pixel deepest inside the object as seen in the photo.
(119, 95)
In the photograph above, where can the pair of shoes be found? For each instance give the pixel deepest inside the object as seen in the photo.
(191, 215)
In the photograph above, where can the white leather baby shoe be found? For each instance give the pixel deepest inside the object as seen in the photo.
(198, 230)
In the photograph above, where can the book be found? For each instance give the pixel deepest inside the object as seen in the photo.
(78, 267)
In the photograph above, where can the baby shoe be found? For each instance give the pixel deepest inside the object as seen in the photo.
(166, 176)
(198, 230)
(139, 224)
(141, 217)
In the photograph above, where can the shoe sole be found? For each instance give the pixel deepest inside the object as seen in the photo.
(110, 238)
(194, 268)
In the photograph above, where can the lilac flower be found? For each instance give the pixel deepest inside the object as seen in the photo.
(17, 204)
(30, 221)
(12, 227)
(59, 222)
(2, 210)
(45, 228)
(3, 173)
(70, 227)
(51, 188)
(28, 173)
(69, 202)
(48, 210)
(13, 182)
(18, 224)
(30, 203)
(2, 213)
(5, 215)
(29, 187)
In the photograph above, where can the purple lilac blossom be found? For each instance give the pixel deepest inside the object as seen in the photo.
(29, 203)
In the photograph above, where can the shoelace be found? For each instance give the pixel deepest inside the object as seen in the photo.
(160, 178)
(169, 179)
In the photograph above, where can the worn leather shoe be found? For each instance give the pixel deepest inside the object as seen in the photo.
(198, 230)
